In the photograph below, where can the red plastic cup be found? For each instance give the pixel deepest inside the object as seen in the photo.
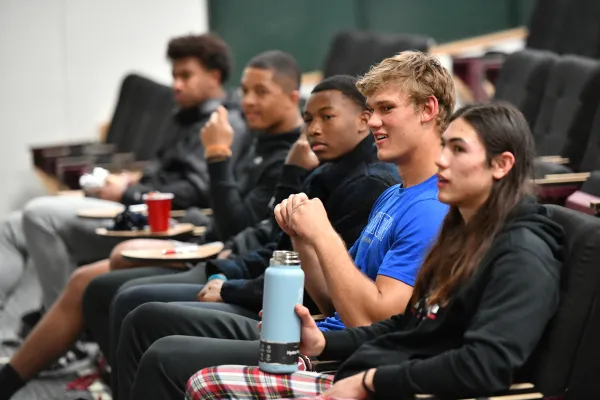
(159, 210)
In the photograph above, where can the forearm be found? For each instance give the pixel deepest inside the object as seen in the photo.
(339, 345)
(226, 199)
(314, 281)
(247, 293)
(355, 297)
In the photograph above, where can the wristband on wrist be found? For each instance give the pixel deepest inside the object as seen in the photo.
(369, 391)
(216, 276)
(217, 151)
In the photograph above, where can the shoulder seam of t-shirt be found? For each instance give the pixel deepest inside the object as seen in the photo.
(391, 191)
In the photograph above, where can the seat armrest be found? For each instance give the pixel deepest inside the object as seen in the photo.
(554, 179)
(519, 391)
(554, 159)
(479, 43)
(311, 78)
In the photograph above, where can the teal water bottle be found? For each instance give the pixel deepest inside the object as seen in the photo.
(280, 333)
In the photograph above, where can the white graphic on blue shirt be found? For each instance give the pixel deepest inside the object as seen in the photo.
(379, 225)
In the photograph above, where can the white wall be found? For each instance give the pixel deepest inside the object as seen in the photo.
(61, 63)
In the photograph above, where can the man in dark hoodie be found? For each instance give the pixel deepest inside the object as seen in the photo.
(48, 229)
(483, 298)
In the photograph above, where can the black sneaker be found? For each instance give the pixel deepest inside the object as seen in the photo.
(80, 356)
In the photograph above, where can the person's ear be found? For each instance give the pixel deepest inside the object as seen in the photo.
(215, 74)
(430, 109)
(502, 164)
(294, 96)
(363, 120)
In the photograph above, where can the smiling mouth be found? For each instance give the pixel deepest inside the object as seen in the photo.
(380, 136)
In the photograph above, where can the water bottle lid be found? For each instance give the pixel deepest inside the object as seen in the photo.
(285, 257)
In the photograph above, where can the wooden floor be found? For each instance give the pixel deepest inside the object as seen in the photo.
(26, 298)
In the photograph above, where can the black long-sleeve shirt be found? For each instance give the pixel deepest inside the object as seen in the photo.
(243, 202)
(473, 346)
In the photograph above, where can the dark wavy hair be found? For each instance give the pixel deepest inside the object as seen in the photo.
(461, 247)
(209, 49)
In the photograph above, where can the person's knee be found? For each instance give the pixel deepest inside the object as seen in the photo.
(116, 260)
(200, 379)
(80, 280)
(11, 231)
(143, 317)
(38, 211)
(127, 300)
(160, 355)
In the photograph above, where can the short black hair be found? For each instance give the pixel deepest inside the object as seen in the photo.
(209, 49)
(345, 84)
(284, 65)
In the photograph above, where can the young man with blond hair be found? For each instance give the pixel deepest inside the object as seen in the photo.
(411, 98)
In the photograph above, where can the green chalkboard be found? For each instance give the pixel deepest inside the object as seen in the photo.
(305, 27)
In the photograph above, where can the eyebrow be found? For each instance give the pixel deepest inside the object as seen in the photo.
(326, 108)
(455, 140)
(379, 103)
(320, 109)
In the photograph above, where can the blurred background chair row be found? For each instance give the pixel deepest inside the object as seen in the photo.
(554, 81)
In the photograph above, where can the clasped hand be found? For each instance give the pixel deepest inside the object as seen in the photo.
(303, 217)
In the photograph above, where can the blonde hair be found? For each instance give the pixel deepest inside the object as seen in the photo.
(417, 74)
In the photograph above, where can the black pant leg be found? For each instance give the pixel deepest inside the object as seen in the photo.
(98, 297)
(153, 321)
(197, 274)
(169, 363)
(129, 297)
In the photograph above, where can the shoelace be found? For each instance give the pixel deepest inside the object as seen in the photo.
(83, 382)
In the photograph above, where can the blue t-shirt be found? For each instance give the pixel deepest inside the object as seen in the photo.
(402, 227)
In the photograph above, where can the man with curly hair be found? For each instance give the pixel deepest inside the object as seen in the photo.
(47, 231)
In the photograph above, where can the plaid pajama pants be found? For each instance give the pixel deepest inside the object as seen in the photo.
(250, 383)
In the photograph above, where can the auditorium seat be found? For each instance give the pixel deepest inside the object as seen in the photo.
(522, 80)
(566, 114)
(142, 110)
(353, 52)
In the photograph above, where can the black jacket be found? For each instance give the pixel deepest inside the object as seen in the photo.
(243, 202)
(348, 188)
(473, 346)
(180, 167)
